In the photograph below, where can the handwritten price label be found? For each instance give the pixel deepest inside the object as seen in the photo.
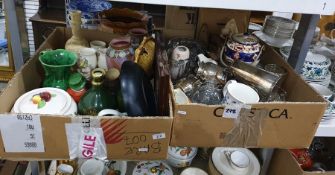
(21, 133)
(140, 144)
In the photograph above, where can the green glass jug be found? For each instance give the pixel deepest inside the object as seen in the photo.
(57, 64)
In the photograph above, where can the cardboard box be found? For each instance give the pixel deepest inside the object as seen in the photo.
(290, 124)
(217, 18)
(180, 18)
(283, 163)
(138, 132)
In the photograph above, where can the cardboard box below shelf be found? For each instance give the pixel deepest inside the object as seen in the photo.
(283, 163)
(137, 133)
(290, 124)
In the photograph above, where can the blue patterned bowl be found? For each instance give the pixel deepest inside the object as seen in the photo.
(316, 66)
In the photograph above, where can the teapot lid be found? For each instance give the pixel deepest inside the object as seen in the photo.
(246, 39)
(152, 168)
(43, 101)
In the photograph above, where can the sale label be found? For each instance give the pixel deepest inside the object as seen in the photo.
(233, 110)
(21, 132)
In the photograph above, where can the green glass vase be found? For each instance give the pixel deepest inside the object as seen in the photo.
(97, 97)
(57, 64)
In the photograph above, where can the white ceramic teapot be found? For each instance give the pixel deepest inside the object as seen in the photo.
(52, 101)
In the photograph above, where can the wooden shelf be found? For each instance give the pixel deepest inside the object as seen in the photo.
(53, 16)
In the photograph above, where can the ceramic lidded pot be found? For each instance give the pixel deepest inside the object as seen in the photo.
(233, 161)
(119, 50)
(316, 66)
(52, 101)
(57, 64)
(243, 47)
(181, 156)
(152, 168)
(193, 171)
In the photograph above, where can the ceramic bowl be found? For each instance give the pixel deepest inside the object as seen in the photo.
(182, 152)
(234, 161)
(118, 166)
(193, 171)
(181, 156)
(52, 101)
(152, 168)
(243, 47)
(178, 163)
(316, 66)
(322, 90)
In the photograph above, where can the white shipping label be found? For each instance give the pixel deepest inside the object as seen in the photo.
(158, 136)
(21, 132)
(233, 110)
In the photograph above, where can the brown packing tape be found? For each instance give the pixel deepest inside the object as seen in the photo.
(247, 130)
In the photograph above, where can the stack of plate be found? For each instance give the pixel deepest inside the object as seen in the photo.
(277, 31)
(279, 27)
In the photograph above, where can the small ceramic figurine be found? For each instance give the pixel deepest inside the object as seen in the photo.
(77, 41)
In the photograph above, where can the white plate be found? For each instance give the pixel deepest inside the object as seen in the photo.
(222, 164)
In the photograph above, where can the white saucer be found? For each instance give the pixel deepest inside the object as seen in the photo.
(223, 165)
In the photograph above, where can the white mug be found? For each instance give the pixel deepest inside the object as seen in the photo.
(180, 53)
(239, 93)
(111, 112)
(93, 167)
(89, 54)
(96, 44)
